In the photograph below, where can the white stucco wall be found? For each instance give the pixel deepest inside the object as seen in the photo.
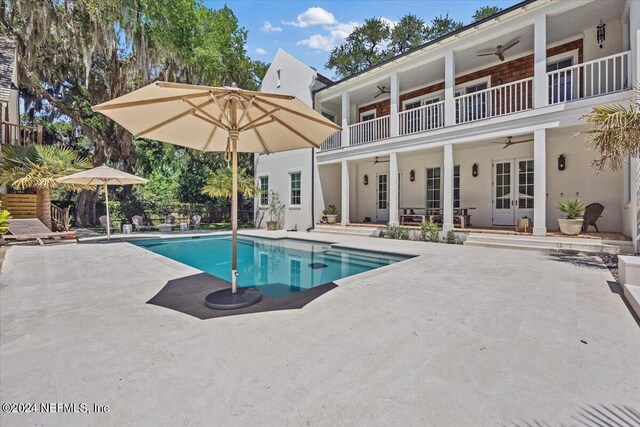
(580, 177)
(287, 75)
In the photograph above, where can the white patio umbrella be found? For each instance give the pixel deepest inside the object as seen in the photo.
(105, 176)
(224, 119)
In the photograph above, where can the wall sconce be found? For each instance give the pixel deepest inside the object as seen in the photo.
(366, 180)
(600, 33)
(474, 170)
(412, 175)
(562, 162)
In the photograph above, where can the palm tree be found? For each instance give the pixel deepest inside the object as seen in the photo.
(220, 184)
(614, 131)
(37, 167)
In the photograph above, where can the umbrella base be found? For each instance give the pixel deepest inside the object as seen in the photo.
(225, 300)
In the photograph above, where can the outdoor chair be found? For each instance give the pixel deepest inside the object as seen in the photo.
(138, 223)
(591, 214)
(103, 223)
(195, 221)
(24, 230)
(170, 219)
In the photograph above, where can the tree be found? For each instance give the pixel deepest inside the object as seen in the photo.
(38, 166)
(220, 183)
(441, 26)
(614, 132)
(363, 48)
(485, 12)
(409, 32)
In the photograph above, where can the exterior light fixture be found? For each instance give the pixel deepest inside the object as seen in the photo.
(412, 175)
(474, 170)
(562, 162)
(366, 180)
(600, 33)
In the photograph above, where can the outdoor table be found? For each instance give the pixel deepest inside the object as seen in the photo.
(127, 229)
(431, 213)
(184, 226)
(163, 228)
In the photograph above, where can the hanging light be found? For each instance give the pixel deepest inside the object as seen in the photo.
(600, 33)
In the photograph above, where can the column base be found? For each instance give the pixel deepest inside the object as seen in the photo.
(344, 223)
(539, 231)
(447, 227)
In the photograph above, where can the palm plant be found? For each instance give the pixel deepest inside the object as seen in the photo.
(38, 167)
(614, 131)
(4, 220)
(572, 208)
(220, 184)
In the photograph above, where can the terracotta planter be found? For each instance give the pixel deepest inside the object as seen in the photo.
(331, 219)
(272, 225)
(570, 227)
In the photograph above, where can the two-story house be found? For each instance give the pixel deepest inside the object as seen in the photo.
(477, 129)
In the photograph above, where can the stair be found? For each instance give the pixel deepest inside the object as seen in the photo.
(548, 244)
(349, 230)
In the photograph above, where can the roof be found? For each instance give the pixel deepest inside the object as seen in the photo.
(323, 79)
(434, 41)
(7, 59)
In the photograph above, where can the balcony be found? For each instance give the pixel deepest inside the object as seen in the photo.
(369, 131)
(496, 101)
(421, 119)
(15, 134)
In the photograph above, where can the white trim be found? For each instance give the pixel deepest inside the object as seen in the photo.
(289, 204)
(366, 113)
(426, 97)
(573, 54)
(259, 177)
(462, 88)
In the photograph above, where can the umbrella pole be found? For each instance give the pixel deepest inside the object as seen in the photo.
(106, 202)
(234, 214)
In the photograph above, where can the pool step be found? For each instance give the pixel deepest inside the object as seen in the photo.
(545, 244)
(354, 259)
(349, 230)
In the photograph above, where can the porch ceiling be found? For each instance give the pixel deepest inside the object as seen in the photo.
(572, 23)
(467, 59)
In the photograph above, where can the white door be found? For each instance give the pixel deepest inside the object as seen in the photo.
(512, 190)
(382, 197)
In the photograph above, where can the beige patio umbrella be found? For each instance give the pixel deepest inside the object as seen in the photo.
(105, 176)
(224, 119)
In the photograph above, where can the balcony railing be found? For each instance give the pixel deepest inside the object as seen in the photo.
(15, 134)
(333, 142)
(369, 131)
(592, 78)
(495, 101)
(422, 118)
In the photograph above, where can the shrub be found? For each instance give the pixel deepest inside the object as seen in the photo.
(430, 231)
(395, 232)
(4, 220)
(572, 208)
(451, 238)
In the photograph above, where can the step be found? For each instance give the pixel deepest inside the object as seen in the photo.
(541, 243)
(338, 229)
(632, 294)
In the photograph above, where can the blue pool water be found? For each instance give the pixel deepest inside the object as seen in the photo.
(276, 266)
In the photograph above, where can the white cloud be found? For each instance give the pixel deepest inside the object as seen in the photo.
(313, 16)
(335, 35)
(270, 28)
(390, 22)
(261, 51)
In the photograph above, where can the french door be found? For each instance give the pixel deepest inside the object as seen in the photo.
(382, 197)
(512, 190)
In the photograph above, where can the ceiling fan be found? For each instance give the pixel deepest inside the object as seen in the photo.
(382, 90)
(510, 142)
(500, 49)
(377, 160)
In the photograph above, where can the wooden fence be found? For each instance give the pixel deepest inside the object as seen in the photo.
(21, 205)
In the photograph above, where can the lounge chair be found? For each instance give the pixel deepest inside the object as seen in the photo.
(32, 229)
(195, 221)
(138, 223)
(591, 214)
(103, 224)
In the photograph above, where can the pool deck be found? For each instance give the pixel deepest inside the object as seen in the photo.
(459, 335)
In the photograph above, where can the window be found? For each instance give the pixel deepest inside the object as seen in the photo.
(382, 191)
(476, 105)
(264, 190)
(433, 189)
(295, 198)
(525, 184)
(369, 115)
(294, 267)
(560, 83)
(456, 186)
(503, 185)
(264, 267)
(421, 120)
(278, 82)
(329, 116)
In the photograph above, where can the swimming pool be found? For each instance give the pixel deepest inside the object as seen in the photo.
(276, 266)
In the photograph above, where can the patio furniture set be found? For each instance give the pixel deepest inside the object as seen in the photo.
(461, 216)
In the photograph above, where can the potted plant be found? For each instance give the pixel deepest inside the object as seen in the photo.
(275, 210)
(573, 209)
(331, 213)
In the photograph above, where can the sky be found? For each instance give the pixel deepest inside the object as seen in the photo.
(310, 29)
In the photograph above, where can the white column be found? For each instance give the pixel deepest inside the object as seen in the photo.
(539, 183)
(395, 99)
(447, 188)
(634, 32)
(344, 217)
(540, 87)
(393, 189)
(345, 118)
(449, 88)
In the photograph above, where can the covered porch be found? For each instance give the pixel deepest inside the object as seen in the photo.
(481, 186)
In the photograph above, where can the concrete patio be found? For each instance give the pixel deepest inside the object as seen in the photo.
(457, 336)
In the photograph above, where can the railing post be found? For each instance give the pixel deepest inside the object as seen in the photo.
(449, 89)
(395, 99)
(345, 119)
(540, 62)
